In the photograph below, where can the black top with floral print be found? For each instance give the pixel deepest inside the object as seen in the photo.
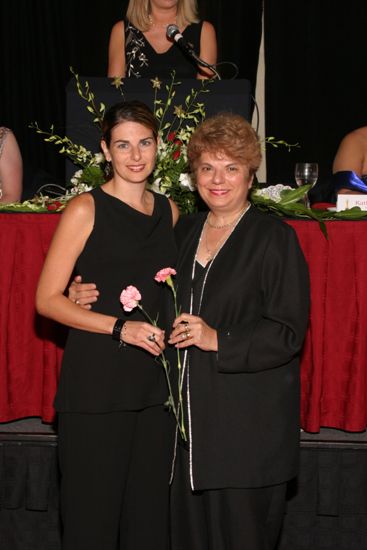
(142, 61)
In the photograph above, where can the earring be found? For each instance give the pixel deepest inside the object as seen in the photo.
(108, 170)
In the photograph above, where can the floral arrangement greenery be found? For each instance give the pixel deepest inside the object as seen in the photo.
(171, 175)
(283, 200)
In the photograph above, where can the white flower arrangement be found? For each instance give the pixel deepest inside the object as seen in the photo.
(273, 192)
(171, 175)
(186, 181)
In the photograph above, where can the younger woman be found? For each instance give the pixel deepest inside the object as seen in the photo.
(114, 434)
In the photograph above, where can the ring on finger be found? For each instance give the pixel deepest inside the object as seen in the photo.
(183, 335)
(187, 333)
(151, 337)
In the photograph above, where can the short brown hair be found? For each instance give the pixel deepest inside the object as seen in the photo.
(226, 133)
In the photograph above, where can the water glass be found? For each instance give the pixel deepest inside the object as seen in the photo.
(306, 173)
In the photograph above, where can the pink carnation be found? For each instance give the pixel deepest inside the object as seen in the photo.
(163, 274)
(130, 298)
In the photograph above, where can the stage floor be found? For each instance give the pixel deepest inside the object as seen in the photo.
(328, 437)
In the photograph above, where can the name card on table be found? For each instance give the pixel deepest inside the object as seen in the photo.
(344, 202)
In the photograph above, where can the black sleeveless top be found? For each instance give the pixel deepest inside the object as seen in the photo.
(125, 247)
(142, 61)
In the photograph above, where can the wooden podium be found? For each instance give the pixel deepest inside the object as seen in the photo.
(223, 95)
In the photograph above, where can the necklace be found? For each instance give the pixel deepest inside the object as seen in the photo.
(225, 225)
(161, 25)
(213, 252)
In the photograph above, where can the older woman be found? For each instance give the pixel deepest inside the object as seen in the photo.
(139, 46)
(243, 290)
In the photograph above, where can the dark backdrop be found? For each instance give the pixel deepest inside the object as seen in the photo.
(316, 86)
(40, 39)
(316, 90)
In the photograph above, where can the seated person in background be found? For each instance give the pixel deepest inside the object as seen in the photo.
(350, 163)
(11, 167)
(139, 46)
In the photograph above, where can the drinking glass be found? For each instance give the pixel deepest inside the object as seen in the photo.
(306, 173)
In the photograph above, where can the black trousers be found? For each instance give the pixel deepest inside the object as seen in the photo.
(224, 519)
(115, 479)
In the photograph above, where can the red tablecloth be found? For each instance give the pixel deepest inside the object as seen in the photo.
(30, 345)
(334, 360)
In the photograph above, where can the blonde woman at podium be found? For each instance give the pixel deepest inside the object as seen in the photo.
(140, 45)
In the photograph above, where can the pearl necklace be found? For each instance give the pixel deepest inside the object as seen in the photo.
(160, 25)
(225, 225)
(213, 252)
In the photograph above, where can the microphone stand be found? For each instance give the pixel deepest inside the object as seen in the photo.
(205, 64)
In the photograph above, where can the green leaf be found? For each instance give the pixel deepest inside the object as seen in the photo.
(354, 213)
(323, 229)
(294, 195)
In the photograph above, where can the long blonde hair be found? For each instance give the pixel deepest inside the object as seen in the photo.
(138, 12)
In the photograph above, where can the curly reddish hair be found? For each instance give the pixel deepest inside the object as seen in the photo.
(229, 134)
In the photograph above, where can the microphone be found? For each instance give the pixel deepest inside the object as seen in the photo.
(173, 32)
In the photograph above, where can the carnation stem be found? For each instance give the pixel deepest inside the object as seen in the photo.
(165, 365)
(179, 367)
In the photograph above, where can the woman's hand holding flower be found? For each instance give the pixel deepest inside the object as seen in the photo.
(189, 330)
(140, 334)
(137, 333)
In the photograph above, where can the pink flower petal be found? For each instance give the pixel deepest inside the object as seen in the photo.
(130, 298)
(164, 273)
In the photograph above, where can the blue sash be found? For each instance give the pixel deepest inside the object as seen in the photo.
(348, 179)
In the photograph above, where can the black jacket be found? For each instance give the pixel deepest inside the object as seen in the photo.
(244, 400)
